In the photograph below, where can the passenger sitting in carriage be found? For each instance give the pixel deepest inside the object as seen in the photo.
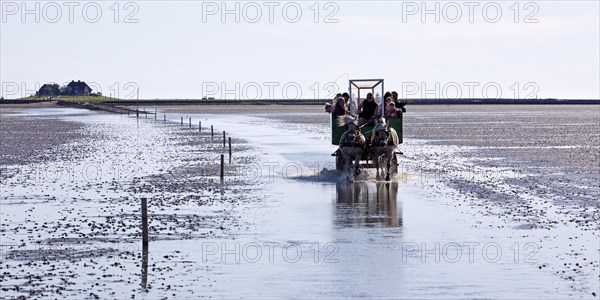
(340, 107)
(329, 107)
(368, 110)
(390, 108)
(346, 101)
(397, 102)
(386, 95)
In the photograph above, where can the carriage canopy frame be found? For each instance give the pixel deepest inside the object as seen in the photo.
(366, 84)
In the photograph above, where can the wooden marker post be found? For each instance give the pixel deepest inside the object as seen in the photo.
(222, 166)
(145, 222)
(144, 244)
(229, 138)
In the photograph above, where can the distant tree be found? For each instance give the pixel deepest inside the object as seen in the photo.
(63, 90)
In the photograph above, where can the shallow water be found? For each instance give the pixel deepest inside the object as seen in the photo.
(302, 232)
(382, 229)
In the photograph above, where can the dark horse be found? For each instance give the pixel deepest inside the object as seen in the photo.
(352, 143)
(384, 141)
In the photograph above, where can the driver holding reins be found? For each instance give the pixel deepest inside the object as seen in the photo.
(368, 110)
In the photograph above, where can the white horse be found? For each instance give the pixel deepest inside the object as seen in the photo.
(352, 143)
(384, 141)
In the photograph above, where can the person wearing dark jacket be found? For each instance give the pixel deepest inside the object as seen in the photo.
(397, 102)
(368, 110)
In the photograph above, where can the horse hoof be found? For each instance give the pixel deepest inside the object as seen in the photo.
(387, 178)
(378, 177)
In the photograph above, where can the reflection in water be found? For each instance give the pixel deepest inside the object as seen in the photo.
(145, 268)
(368, 204)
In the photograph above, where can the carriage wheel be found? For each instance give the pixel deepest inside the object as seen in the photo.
(341, 164)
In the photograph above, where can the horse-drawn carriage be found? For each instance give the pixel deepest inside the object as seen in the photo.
(370, 145)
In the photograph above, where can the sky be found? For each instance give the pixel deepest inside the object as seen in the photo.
(303, 49)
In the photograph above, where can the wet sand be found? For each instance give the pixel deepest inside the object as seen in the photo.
(528, 167)
(71, 231)
(24, 139)
(70, 203)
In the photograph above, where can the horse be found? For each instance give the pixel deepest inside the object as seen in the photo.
(384, 141)
(352, 143)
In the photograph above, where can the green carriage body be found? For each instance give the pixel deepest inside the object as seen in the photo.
(337, 131)
(355, 87)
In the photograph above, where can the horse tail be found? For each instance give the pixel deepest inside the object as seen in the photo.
(340, 120)
(395, 138)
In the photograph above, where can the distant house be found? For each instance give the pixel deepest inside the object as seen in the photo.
(77, 88)
(49, 89)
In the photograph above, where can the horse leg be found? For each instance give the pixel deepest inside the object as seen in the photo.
(347, 161)
(387, 177)
(377, 162)
(356, 164)
(350, 174)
